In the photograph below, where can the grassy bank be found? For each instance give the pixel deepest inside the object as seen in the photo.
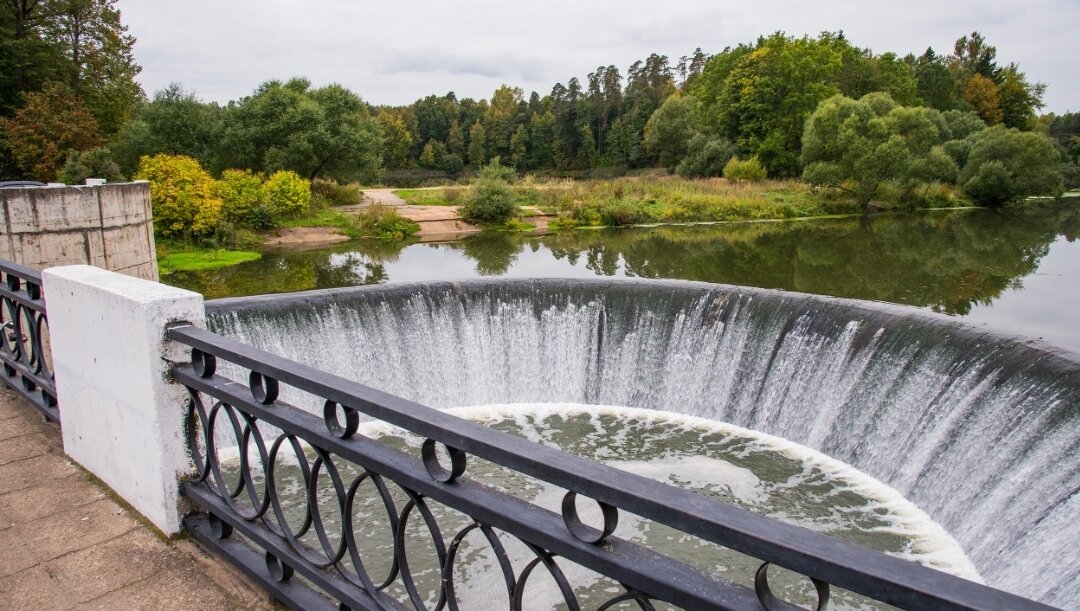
(201, 259)
(643, 200)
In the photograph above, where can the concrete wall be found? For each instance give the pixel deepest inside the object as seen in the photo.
(123, 417)
(108, 226)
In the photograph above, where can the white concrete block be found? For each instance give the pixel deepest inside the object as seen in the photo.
(122, 419)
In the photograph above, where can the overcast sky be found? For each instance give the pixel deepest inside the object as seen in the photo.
(395, 52)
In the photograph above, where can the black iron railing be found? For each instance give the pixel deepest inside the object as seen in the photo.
(309, 558)
(24, 347)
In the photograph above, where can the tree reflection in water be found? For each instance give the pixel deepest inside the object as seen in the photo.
(945, 260)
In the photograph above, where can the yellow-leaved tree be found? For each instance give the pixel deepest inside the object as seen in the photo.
(182, 196)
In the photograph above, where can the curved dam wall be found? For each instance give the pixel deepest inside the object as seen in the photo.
(980, 430)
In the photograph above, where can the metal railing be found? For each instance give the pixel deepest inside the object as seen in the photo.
(24, 347)
(311, 558)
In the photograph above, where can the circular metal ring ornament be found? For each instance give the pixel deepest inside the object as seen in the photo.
(333, 424)
(582, 531)
(279, 571)
(204, 364)
(218, 527)
(435, 468)
(770, 602)
(263, 388)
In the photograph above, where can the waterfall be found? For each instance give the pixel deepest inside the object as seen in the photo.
(981, 431)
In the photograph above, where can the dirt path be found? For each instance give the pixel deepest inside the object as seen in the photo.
(385, 197)
(305, 237)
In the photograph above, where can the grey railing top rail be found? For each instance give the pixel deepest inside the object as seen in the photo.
(24, 342)
(819, 557)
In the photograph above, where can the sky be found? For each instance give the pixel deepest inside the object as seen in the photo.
(396, 52)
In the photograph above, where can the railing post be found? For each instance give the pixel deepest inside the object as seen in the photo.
(123, 416)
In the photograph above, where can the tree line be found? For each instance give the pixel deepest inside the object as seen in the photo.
(71, 108)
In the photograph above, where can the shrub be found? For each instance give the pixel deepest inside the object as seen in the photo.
(335, 194)
(241, 193)
(1005, 165)
(386, 224)
(705, 157)
(287, 195)
(181, 196)
(1070, 175)
(96, 163)
(491, 202)
(748, 170)
(451, 195)
(496, 171)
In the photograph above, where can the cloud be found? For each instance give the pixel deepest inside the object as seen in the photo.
(396, 52)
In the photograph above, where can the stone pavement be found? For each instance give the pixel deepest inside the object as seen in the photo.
(65, 543)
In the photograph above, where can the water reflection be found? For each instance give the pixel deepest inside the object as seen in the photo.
(949, 261)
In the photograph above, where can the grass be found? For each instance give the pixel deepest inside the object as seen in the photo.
(196, 260)
(345, 223)
(649, 200)
(430, 197)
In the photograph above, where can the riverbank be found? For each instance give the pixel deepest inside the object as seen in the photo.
(433, 214)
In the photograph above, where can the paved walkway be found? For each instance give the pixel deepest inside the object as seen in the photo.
(64, 543)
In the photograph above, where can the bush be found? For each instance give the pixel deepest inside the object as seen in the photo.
(241, 193)
(451, 195)
(749, 170)
(496, 171)
(1070, 175)
(386, 224)
(335, 194)
(96, 163)
(181, 196)
(705, 157)
(492, 202)
(287, 195)
(1005, 165)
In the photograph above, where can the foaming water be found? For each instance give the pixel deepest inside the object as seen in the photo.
(980, 432)
(759, 472)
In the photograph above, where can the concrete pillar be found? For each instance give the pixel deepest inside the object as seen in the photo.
(121, 417)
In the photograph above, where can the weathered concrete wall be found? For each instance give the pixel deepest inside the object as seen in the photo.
(123, 417)
(108, 226)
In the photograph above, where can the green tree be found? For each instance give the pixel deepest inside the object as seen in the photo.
(706, 157)
(1019, 100)
(455, 140)
(499, 120)
(175, 122)
(519, 151)
(669, 130)
(858, 146)
(1006, 165)
(100, 62)
(427, 156)
(288, 126)
(51, 124)
(541, 140)
(96, 163)
(770, 92)
(934, 84)
(397, 140)
(477, 144)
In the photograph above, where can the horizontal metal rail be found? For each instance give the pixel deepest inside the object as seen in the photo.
(24, 340)
(645, 574)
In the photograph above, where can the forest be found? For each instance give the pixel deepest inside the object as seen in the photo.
(819, 108)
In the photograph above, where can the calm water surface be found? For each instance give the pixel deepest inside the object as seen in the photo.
(1015, 271)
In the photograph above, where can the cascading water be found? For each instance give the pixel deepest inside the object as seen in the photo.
(980, 431)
